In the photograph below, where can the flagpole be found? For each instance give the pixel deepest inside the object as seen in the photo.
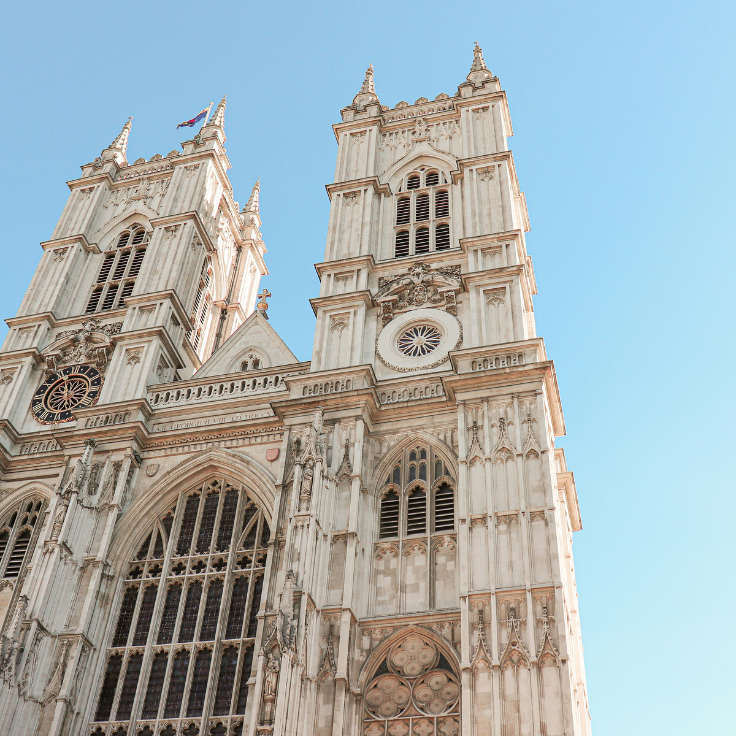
(206, 117)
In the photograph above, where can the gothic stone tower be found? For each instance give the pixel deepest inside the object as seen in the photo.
(201, 535)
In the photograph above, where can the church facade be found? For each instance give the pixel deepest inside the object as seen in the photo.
(201, 534)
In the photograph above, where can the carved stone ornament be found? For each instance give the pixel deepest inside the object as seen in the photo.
(7, 375)
(152, 469)
(90, 343)
(419, 287)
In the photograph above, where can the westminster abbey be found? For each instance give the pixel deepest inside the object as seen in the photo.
(201, 535)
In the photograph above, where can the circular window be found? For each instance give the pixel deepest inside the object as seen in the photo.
(419, 340)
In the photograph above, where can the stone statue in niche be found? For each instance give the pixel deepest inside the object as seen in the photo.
(272, 676)
(305, 494)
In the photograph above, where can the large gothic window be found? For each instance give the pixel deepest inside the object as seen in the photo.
(423, 204)
(119, 271)
(182, 641)
(418, 496)
(414, 690)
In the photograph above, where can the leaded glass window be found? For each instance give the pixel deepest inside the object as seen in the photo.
(193, 590)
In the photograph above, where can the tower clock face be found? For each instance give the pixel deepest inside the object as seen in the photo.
(75, 387)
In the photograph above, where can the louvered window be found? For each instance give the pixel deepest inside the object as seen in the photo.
(390, 515)
(422, 207)
(422, 240)
(442, 236)
(403, 211)
(402, 243)
(444, 508)
(426, 501)
(18, 535)
(416, 512)
(423, 204)
(201, 306)
(442, 203)
(189, 674)
(119, 269)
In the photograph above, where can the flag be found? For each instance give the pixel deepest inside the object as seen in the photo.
(191, 123)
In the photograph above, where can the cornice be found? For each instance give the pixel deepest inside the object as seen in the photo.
(70, 240)
(28, 319)
(191, 216)
(566, 484)
(15, 355)
(349, 299)
(92, 180)
(159, 331)
(354, 262)
(477, 241)
(471, 385)
(143, 299)
(369, 181)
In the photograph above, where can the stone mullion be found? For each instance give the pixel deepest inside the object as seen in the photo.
(163, 588)
(463, 557)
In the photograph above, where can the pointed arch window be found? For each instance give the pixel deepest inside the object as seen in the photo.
(418, 495)
(201, 306)
(423, 202)
(194, 588)
(119, 270)
(18, 534)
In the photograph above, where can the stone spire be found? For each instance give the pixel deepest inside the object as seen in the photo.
(121, 142)
(367, 92)
(479, 71)
(218, 118)
(253, 205)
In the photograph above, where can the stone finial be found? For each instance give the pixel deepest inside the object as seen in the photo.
(253, 201)
(367, 92)
(218, 118)
(121, 142)
(478, 71)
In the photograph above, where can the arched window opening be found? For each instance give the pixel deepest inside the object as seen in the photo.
(200, 609)
(201, 306)
(422, 207)
(403, 211)
(402, 244)
(18, 535)
(416, 512)
(444, 508)
(252, 362)
(422, 240)
(389, 515)
(442, 237)
(420, 490)
(423, 204)
(119, 271)
(442, 203)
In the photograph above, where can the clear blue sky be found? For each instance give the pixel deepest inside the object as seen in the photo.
(623, 115)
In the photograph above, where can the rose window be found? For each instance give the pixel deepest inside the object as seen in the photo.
(419, 340)
(415, 690)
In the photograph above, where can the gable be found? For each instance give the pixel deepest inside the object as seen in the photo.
(256, 338)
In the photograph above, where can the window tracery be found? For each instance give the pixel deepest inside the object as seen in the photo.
(194, 588)
(119, 271)
(424, 205)
(414, 690)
